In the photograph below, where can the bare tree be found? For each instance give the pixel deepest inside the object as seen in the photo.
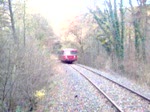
(22, 72)
(12, 22)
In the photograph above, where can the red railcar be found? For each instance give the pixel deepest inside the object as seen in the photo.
(68, 55)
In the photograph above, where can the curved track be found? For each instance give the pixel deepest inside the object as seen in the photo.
(78, 68)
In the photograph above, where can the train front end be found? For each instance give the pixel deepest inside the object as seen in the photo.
(68, 55)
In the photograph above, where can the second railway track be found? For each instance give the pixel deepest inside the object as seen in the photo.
(124, 99)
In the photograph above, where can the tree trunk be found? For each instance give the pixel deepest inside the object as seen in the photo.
(24, 23)
(12, 23)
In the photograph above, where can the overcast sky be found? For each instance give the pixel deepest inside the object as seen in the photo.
(59, 11)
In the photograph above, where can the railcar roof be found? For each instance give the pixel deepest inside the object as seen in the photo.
(68, 49)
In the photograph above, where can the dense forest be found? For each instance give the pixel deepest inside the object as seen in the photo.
(114, 38)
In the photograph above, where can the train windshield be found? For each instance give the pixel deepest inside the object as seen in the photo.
(74, 52)
(68, 52)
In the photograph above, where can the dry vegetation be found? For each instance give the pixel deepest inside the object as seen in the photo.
(25, 68)
(23, 72)
(114, 39)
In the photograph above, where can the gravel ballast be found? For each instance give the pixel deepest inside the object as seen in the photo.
(70, 92)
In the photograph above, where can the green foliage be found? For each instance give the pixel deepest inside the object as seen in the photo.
(106, 44)
(18, 109)
(140, 25)
(112, 28)
(1, 1)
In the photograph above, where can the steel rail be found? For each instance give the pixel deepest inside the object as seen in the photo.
(101, 91)
(123, 86)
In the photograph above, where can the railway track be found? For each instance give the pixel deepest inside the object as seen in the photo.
(121, 97)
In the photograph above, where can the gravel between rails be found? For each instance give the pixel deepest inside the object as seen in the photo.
(129, 102)
(145, 90)
(70, 92)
